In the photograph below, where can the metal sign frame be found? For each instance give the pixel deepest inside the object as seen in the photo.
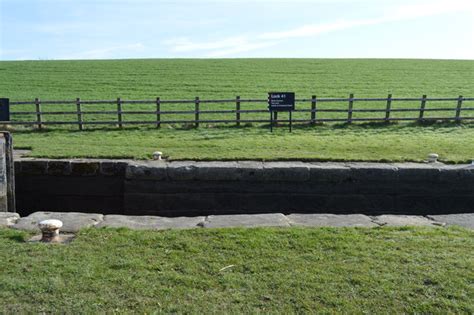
(281, 102)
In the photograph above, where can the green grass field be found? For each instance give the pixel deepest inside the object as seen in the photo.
(269, 270)
(249, 78)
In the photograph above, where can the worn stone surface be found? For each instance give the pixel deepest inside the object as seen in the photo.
(147, 170)
(150, 222)
(245, 220)
(461, 219)
(327, 219)
(84, 168)
(217, 171)
(182, 170)
(8, 219)
(285, 171)
(405, 220)
(72, 221)
(113, 168)
(59, 168)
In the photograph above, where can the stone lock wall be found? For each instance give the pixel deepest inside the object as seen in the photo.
(203, 188)
(7, 185)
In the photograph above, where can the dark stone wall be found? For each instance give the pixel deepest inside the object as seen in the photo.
(202, 188)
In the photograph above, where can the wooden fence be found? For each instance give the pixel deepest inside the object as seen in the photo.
(312, 106)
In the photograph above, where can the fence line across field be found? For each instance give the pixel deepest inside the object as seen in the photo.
(158, 113)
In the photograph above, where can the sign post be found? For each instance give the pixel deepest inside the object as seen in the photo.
(281, 102)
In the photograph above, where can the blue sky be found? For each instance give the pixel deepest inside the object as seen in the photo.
(115, 29)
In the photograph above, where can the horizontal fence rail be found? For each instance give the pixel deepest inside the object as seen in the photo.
(81, 116)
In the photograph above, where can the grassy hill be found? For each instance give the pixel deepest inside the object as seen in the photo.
(209, 78)
(249, 78)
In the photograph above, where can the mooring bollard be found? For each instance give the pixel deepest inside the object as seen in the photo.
(433, 157)
(50, 230)
(157, 155)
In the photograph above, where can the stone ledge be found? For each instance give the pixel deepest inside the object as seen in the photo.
(73, 222)
(246, 170)
(73, 167)
(8, 219)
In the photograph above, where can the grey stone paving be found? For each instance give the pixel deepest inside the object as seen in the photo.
(405, 220)
(246, 220)
(8, 219)
(326, 219)
(461, 219)
(150, 222)
(73, 221)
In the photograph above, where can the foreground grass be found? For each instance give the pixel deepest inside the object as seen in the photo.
(370, 142)
(381, 270)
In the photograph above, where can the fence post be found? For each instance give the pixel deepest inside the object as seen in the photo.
(349, 110)
(313, 109)
(422, 108)
(158, 112)
(388, 108)
(237, 110)
(39, 118)
(119, 112)
(196, 111)
(458, 109)
(79, 113)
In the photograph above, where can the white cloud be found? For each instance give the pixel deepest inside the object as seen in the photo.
(238, 44)
(103, 53)
(247, 46)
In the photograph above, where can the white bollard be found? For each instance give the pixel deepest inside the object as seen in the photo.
(50, 230)
(433, 157)
(157, 155)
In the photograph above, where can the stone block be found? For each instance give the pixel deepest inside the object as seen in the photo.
(373, 172)
(246, 220)
(33, 167)
(216, 171)
(330, 173)
(150, 222)
(418, 172)
(461, 219)
(182, 171)
(84, 168)
(113, 168)
(72, 221)
(8, 219)
(148, 171)
(405, 220)
(285, 171)
(59, 167)
(250, 170)
(332, 220)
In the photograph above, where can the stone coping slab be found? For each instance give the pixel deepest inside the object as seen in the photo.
(72, 221)
(461, 219)
(405, 220)
(150, 222)
(230, 170)
(246, 220)
(8, 219)
(327, 219)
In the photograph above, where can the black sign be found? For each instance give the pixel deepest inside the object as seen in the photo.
(281, 101)
(4, 109)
